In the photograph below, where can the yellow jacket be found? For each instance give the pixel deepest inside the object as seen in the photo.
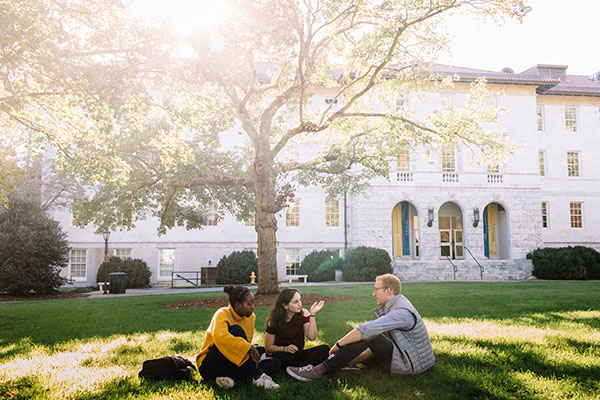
(235, 349)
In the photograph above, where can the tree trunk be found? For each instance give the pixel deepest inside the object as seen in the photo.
(265, 207)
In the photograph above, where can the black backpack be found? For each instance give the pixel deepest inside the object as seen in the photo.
(171, 367)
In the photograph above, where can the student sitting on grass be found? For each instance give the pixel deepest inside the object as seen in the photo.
(396, 340)
(228, 355)
(287, 325)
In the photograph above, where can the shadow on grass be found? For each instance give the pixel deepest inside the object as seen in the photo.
(519, 370)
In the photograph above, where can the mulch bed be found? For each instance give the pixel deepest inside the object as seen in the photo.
(48, 296)
(259, 301)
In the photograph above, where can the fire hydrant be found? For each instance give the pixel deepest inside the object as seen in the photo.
(252, 278)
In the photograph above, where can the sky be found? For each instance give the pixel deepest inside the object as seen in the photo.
(564, 32)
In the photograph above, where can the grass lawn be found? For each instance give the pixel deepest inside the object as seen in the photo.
(522, 340)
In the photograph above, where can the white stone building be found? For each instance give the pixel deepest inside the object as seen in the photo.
(441, 217)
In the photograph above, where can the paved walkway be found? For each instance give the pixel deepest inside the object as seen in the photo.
(168, 290)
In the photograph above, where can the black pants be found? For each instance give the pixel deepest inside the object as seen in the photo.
(314, 355)
(216, 364)
(380, 345)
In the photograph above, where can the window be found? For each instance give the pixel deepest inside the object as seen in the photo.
(492, 102)
(576, 208)
(544, 214)
(250, 220)
(493, 169)
(571, 118)
(332, 103)
(167, 263)
(124, 217)
(292, 213)
(449, 157)
(212, 216)
(404, 158)
(123, 254)
(78, 264)
(542, 161)
(572, 163)
(400, 103)
(448, 100)
(332, 212)
(338, 252)
(292, 261)
(540, 117)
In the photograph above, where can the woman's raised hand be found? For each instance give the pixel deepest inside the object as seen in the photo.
(316, 307)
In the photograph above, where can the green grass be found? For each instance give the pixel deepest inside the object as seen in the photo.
(522, 340)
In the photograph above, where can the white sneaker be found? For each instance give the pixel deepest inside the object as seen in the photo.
(225, 382)
(265, 381)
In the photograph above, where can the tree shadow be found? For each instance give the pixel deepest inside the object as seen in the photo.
(505, 362)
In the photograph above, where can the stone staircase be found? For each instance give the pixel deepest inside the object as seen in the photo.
(442, 270)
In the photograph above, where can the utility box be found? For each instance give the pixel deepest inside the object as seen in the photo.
(208, 276)
(118, 282)
(338, 275)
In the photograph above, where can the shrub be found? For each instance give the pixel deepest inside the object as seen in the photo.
(326, 271)
(569, 263)
(310, 264)
(365, 263)
(137, 273)
(236, 267)
(33, 248)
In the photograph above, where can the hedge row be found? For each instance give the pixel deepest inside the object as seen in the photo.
(359, 264)
(568, 263)
(136, 271)
(237, 267)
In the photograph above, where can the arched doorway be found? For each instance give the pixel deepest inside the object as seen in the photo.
(450, 225)
(405, 227)
(495, 232)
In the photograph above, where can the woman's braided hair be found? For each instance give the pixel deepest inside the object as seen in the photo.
(237, 294)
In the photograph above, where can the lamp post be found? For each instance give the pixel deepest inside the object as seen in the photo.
(475, 217)
(106, 236)
(430, 217)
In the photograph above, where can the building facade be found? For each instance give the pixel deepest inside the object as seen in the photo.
(440, 216)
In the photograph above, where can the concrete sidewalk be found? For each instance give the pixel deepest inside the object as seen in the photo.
(168, 290)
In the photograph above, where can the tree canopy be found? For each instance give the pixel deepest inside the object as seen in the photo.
(165, 125)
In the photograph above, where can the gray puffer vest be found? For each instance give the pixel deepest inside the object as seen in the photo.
(412, 348)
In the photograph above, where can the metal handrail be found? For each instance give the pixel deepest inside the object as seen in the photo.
(480, 266)
(454, 266)
(180, 277)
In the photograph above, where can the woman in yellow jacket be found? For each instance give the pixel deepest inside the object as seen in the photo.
(228, 355)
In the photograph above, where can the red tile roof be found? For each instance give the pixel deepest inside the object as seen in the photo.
(576, 85)
(573, 84)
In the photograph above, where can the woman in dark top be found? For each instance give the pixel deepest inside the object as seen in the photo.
(287, 326)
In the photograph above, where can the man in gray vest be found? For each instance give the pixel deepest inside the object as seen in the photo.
(397, 339)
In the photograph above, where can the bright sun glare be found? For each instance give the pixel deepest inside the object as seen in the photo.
(185, 16)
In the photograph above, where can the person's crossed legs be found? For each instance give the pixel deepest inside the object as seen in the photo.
(378, 349)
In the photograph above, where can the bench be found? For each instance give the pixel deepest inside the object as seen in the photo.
(101, 286)
(297, 277)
